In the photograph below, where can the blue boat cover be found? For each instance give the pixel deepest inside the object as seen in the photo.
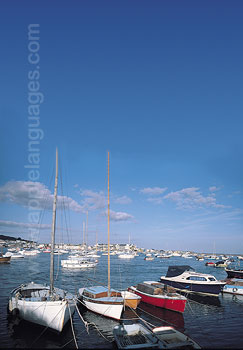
(178, 270)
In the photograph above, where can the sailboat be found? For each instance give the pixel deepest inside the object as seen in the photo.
(101, 299)
(44, 305)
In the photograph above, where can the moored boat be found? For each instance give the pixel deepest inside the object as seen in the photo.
(104, 300)
(221, 263)
(137, 336)
(234, 273)
(4, 259)
(184, 278)
(160, 295)
(233, 286)
(131, 299)
(34, 303)
(149, 258)
(40, 304)
(99, 299)
(78, 263)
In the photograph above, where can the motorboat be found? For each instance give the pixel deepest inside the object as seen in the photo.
(233, 286)
(184, 278)
(221, 263)
(234, 273)
(137, 336)
(14, 255)
(126, 256)
(161, 295)
(77, 263)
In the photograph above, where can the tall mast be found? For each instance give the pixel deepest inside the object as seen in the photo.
(83, 232)
(109, 286)
(96, 241)
(87, 215)
(53, 229)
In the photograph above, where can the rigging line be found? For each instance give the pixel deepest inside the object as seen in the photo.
(66, 344)
(75, 341)
(64, 209)
(69, 220)
(41, 216)
(94, 325)
(58, 266)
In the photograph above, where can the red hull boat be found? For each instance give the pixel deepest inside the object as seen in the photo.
(160, 295)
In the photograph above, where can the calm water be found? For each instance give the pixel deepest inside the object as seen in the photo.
(212, 322)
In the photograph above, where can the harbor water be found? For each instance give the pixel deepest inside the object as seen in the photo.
(213, 322)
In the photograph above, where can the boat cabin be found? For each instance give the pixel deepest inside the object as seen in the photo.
(177, 270)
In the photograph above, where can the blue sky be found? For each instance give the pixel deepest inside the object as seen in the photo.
(159, 85)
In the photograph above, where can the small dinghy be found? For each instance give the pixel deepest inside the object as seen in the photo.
(131, 299)
(137, 336)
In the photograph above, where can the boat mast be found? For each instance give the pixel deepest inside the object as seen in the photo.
(108, 214)
(83, 232)
(87, 215)
(53, 228)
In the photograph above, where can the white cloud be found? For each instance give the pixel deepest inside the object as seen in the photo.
(191, 197)
(153, 191)
(156, 200)
(93, 200)
(214, 189)
(119, 216)
(34, 194)
(122, 200)
(4, 223)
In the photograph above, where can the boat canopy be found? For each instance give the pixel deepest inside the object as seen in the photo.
(178, 270)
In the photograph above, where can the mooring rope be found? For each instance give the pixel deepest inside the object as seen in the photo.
(87, 324)
(74, 338)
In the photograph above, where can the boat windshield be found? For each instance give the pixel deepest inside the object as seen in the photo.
(178, 270)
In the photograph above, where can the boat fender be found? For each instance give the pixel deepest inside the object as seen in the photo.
(235, 290)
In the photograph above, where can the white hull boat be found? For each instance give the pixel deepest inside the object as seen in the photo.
(14, 255)
(77, 264)
(33, 303)
(44, 305)
(104, 300)
(126, 256)
(98, 300)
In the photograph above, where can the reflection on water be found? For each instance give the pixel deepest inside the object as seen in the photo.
(161, 317)
(101, 325)
(204, 299)
(28, 335)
